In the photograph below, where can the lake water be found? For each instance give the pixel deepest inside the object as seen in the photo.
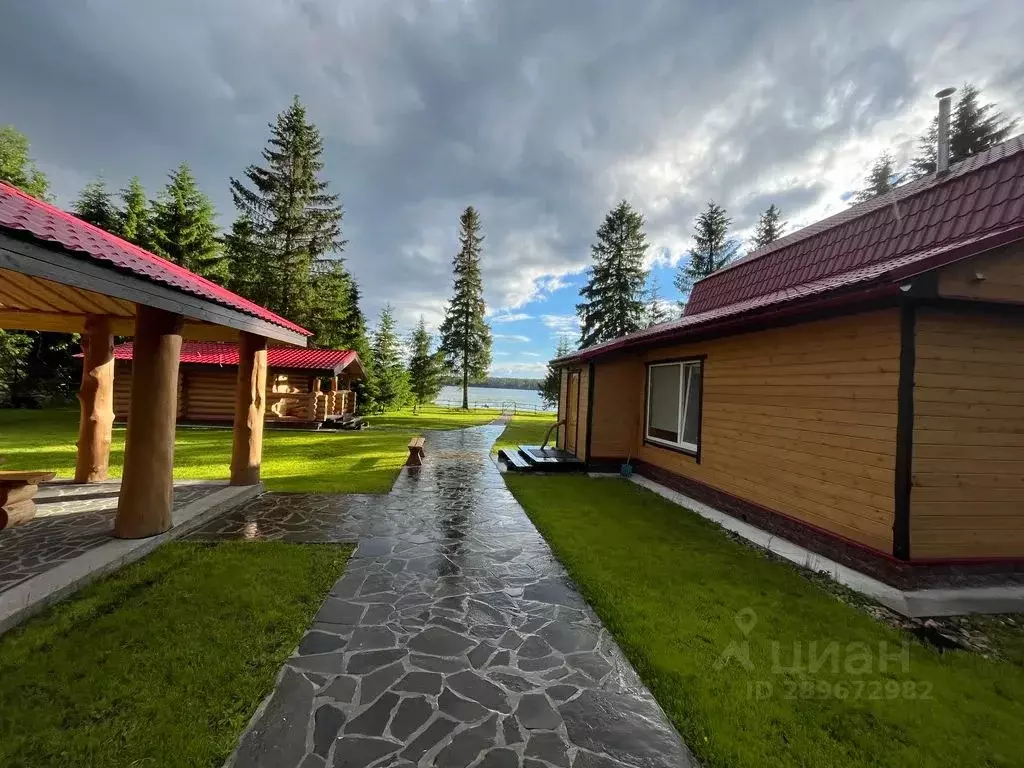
(492, 397)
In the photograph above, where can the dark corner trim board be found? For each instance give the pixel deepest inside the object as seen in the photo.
(876, 563)
(590, 410)
(702, 359)
(904, 431)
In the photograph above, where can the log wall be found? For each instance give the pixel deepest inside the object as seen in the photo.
(207, 393)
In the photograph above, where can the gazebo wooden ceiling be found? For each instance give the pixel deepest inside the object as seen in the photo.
(58, 273)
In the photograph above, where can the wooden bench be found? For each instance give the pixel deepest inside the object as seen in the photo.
(415, 453)
(17, 490)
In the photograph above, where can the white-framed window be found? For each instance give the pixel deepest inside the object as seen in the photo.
(673, 404)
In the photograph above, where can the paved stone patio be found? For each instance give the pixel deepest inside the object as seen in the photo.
(454, 639)
(70, 521)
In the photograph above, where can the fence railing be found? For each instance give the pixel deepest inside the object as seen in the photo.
(505, 406)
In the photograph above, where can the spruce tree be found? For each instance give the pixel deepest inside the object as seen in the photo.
(425, 367)
(712, 249)
(183, 227)
(465, 337)
(133, 219)
(973, 128)
(35, 367)
(352, 335)
(656, 309)
(246, 274)
(550, 386)
(295, 221)
(96, 206)
(769, 227)
(391, 380)
(613, 300)
(329, 304)
(879, 179)
(17, 168)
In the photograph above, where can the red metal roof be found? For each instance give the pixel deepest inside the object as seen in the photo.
(223, 353)
(862, 252)
(25, 214)
(982, 194)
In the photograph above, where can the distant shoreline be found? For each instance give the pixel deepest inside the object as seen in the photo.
(532, 386)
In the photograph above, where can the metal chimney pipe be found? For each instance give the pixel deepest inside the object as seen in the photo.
(942, 150)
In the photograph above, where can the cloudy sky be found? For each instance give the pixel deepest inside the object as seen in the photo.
(542, 113)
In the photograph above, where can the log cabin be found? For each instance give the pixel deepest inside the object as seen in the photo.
(856, 386)
(305, 387)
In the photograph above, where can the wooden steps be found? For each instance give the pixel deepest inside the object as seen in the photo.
(533, 458)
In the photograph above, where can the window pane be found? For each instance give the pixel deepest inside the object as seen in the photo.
(663, 404)
(691, 422)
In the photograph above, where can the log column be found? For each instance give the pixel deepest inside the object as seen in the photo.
(250, 410)
(332, 404)
(147, 490)
(96, 395)
(314, 398)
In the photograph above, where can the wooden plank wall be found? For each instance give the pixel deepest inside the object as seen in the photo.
(800, 420)
(998, 276)
(584, 407)
(967, 497)
(618, 407)
(563, 388)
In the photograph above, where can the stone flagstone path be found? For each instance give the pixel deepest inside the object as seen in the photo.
(454, 639)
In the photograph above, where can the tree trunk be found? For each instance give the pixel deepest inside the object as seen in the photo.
(250, 410)
(147, 489)
(465, 382)
(96, 395)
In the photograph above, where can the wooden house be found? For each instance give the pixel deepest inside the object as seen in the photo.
(304, 386)
(856, 386)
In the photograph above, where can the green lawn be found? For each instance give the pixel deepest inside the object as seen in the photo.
(676, 592)
(526, 428)
(163, 663)
(329, 462)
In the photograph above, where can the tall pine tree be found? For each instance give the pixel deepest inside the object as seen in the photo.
(613, 297)
(879, 179)
(36, 368)
(96, 206)
(184, 230)
(329, 304)
(973, 128)
(550, 386)
(391, 380)
(769, 227)
(425, 367)
(656, 308)
(295, 221)
(133, 222)
(465, 337)
(712, 248)
(247, 274)
(352, 335)
(17, 168)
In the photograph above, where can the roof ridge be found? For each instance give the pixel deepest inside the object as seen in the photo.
(990, 156)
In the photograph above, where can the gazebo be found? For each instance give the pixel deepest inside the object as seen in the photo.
(58, 273)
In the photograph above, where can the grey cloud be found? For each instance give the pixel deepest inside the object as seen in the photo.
(541, 114)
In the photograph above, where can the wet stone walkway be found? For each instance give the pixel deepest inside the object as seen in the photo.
(454, 639)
